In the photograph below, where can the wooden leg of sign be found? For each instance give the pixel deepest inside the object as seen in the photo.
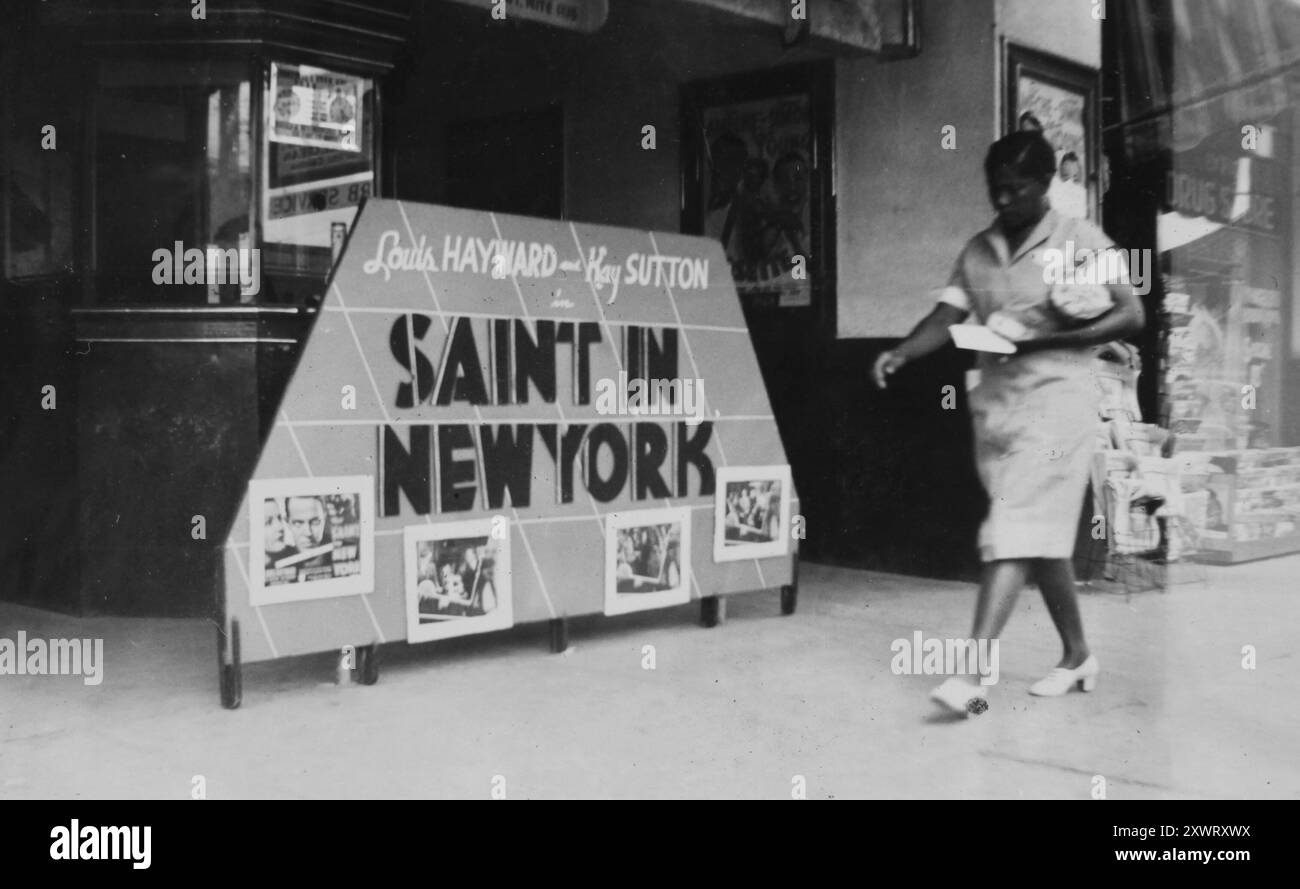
(221, 662)
(232, 678)
(713, 609)
(559, 634)
(368, 664)
(790, 592)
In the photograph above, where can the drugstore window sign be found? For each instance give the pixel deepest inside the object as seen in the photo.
(316, 108)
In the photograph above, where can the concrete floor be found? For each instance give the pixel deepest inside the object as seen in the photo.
(735, 711)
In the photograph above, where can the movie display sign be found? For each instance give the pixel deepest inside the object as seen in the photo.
(457, 579)
(541, 408)
(311, 538)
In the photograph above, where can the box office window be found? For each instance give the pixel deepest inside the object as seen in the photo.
(173, 180)
(225, 182)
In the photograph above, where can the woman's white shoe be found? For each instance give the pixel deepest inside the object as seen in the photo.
(962, 696)
(1058, 681)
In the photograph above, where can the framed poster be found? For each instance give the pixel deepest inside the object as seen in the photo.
(316, 108)
(751, 513)
(457, 579)
(756, 168)
(1058, 98)
(311, 538)
(647, 559)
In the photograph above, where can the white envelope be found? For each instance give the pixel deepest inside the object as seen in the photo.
(979, 338)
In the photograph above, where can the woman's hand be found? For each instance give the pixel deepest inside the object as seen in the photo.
(928, 336)
(887, 364)
(1008, 326)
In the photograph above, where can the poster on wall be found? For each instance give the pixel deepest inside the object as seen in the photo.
(311, 538)
(457, 579)
(1058, 98)
(316, 108)
(756, 174)
(751, 512)
(757, 150)
(647, 559)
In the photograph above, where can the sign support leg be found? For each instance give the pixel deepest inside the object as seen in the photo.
(368, 664)
(790, 591)
(559, 634)
(232, 678)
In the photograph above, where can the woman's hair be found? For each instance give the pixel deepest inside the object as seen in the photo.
(1024, 150)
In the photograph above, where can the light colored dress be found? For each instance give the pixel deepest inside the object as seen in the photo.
(1034, 415)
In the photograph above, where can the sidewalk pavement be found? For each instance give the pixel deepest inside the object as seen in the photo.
(741, 710)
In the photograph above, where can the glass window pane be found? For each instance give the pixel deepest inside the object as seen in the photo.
(173, 184)
(38, 175)
(319, 150)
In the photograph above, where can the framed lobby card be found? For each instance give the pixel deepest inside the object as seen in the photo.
(647, 559)
(457, 579)
(756, 169)
(311, 538)
(1059, 98)
(751, 514)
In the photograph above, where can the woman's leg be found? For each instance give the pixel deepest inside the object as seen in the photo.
(1056, 580)
(1000, 584)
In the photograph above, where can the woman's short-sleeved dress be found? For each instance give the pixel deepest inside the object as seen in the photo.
(1034, 415)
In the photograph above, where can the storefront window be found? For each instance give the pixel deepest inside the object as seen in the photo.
(1225, 285)
(1207, 97)
(318, 147)
(173, 184)
(1227, 252)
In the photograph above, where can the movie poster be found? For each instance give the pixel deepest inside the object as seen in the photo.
(457, 579)
(647, 559)
(1059, 113)
(757, 173)
(312, 538)
(751, 512)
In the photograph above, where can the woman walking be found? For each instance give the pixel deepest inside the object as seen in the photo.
(1034, 412)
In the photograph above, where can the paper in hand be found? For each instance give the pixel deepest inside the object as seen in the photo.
(979, 338)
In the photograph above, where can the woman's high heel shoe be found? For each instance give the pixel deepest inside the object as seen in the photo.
(1058, 681)
(962, 696)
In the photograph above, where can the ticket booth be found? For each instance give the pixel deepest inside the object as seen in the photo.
(170, 218)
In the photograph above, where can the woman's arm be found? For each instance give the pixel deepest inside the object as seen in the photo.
(1126, 318)
(928, 336)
